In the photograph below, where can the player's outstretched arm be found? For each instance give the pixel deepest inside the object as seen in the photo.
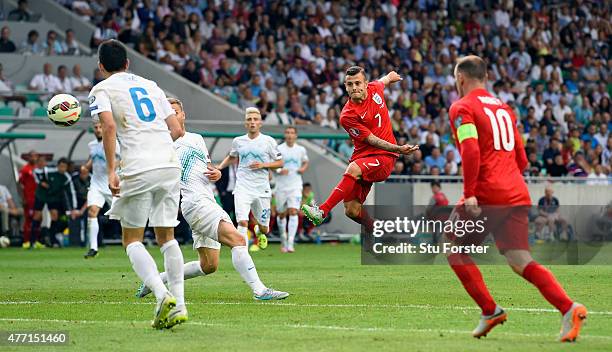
(304, 167)
(271, 165)
(228, 159)
(390, 147)
(391, 77)
(174, 126)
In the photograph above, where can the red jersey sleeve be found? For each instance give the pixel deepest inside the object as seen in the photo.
(354, 127)
(466, 136)
(379, 87)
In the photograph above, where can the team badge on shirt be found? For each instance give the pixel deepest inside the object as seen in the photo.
(377, 99)
(354, 132)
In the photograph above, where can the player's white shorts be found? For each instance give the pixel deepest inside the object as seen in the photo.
(152, 195)
(288, 199)
(204, 217)
(98, 198)
(245, 202)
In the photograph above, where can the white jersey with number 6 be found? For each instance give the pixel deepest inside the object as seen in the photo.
(139, 108)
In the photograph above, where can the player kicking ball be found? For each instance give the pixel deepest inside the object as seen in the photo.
(99, 193)
(209, 223)
(493, 160)
(366, 119)
(289, 188)
(257, 153)
(134, 111)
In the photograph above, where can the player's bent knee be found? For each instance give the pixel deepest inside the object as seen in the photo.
(353, 169)
(263, 229)
(293, 211)
(208, 267)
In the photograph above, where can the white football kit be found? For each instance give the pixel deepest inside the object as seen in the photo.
(289, 187)
(98, 192)
(198, 205)
(252, 191)
(149, 168)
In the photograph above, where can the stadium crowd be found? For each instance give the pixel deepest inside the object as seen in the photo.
(550, 61)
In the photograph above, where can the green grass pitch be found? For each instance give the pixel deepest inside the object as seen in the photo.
(336, 304)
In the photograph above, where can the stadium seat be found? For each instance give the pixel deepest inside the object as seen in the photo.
(33, 105)
(40, 112)
(7, 112)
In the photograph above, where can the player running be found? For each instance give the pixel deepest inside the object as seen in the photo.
(493, 160)
(209, 223)
(289, 188)
(366, 119)
(135, 111)
(99, 193)
(257, 154)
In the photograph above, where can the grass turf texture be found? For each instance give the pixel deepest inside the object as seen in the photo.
(336, 304)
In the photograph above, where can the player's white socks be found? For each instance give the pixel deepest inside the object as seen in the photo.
(144, 266)
(190, 270)
(173, 262)
(292, 228)
(92, 232)
(243, 263)
(282, 228)
(243, 231)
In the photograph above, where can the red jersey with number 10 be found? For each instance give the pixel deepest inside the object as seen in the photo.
(482, 116)
(369, 117)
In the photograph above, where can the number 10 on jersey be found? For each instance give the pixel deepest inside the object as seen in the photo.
(501, 126)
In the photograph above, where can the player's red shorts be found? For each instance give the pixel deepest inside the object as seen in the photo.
(508, 224)
(375, 168)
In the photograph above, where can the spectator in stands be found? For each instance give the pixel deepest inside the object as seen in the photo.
(346, 149)
(27, 189)
(21, 13)
(398, 169)
(549, 217)
(64, 80)
(31, 46)
(83, 9)
(597, 176)
(435, 159)
(578, 167)
(5, 84)
(70, 45)
(52, 46)
(6, 44)
(79, 82)
(46, 81)
(98, 77)
(103, 32)
(438, 198)
(7, 209)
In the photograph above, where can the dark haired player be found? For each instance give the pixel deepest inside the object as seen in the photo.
(135, 111)
(366, 119)
(493, 160)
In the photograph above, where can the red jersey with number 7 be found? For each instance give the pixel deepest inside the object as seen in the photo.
(498, 179)
(369, 117)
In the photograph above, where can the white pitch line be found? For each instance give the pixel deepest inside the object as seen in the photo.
(303, 326)
(311, 305)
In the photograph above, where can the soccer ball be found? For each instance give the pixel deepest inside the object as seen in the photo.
(64, 110)
(4, 242)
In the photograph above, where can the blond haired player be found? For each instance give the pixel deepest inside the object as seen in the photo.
(257, 153)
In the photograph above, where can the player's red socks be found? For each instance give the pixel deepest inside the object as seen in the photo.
(548, 285)
(344, 187)
(471, 278)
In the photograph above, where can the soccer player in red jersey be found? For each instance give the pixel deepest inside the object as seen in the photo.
(493, 160)
(366, 119)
